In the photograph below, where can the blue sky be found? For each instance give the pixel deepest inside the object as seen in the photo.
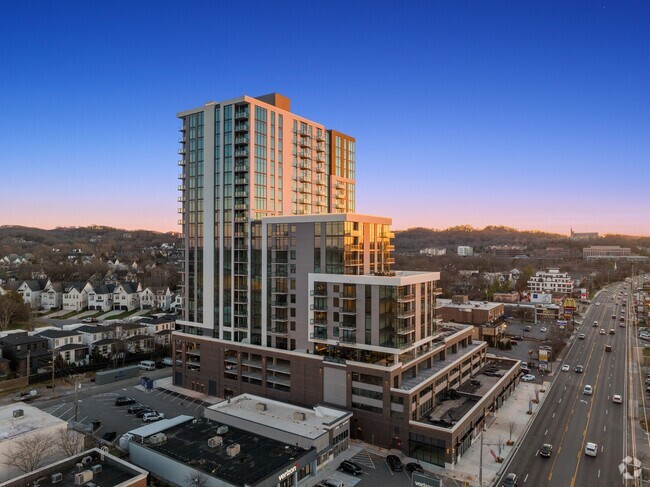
(528, 114)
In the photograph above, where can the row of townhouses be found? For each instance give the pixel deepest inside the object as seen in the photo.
(75, 345)
(76, 296)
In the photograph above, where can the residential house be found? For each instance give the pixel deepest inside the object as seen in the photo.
(75, 295)
(52, 295)
(25, 352)
(68, 344)
(177, 304)
(31, 292)
(160, 328)
(13, 260)
(9, 286)
(126, 296)
(100, 297)
(156, 297)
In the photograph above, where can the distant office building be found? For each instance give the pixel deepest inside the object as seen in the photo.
(606, 252)
(511, 297)
(507, 250)
(551, 281)
(433, 251)
(584, 236)
(460, 309)
(464, 250)
(552, 253)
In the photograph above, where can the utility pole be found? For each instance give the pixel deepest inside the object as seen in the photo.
(480, 466)
(77, 385)
(53, 385)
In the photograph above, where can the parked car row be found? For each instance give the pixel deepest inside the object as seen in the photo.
(147, 413)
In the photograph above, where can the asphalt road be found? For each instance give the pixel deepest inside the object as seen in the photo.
(569, 419)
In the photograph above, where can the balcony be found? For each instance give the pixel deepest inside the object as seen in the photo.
(241, 218)
(408, 313)
(181, 176)
(181, 162)
(181, 187)
(318, 321)
(241, 167)
(241, 114)
(318, 307)
(305, 165)
(303, 188)
(241, 127)
(241, 153)
(321, 335)
(322, 292)
(304, 142)
(180, 210)
(241, 140)
(181, 222)
(354, 248)
(279, 304)
(279, 318)
(280, 290)
(320, 147)
(319, 181)
(181, 150)
(340, 205)
(278, 330)
(348, 311)
(320, 158)
(437, 291)
(241, 194)
(406, 298)
(182, 128)
(181, 199)
(348, 338)
(305, 154)
(320, 168)
(241, 180)
(320, 137)
(304, 133)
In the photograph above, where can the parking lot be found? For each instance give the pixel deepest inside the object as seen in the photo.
(101, 407)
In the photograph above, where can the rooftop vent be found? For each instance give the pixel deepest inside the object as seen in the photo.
(222, 430)
(298, 416)
(18, 413)
(96, 469)
(57, 477)
(233, 450)
(260, 406)
(83, 477)
(87, 459)
(157, 439)
(215, 441)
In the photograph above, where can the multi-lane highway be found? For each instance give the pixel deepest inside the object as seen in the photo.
(569, 419)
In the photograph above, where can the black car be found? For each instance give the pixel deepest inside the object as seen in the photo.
(110, 435)
(135, 408)
(350, 467)
(394, 463)
(144, 411)
(124, 401)
(545, 450)
(414, 467)
(579, 369)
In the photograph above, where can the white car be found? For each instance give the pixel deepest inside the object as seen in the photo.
(154, 416)
(582, 336)
(588, 390)
(597, 303)
(617, 399)
(591, 449)
(527, 378)
(565, 368)
(542, 329)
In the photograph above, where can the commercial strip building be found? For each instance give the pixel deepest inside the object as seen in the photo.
(94, 466)
(551, 281)
(465, 250)
(614, 252)
(291, 296)
(200, 451)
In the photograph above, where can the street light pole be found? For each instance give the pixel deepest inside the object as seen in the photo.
(480, 467)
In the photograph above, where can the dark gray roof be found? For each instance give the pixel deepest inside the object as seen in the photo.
(90, 329)
(68, 286)
(104, 288)
(58, 333)
(130, 287)
(57, 286)
(158, 320)
(21, 339)
(36, 284)
(72, 346)
(105, 341)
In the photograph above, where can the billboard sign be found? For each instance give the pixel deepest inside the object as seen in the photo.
(543, 356)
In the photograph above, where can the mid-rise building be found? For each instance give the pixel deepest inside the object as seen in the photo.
(434, 251)
(577, 236)
(551, 281)
(464, 250)
(606, 251)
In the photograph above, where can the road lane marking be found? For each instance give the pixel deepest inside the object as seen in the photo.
(605, 428)
(545, 432)
(525, 478)
(553, 414)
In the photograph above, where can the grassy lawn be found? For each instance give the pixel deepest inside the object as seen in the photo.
(69, 315)
(126, 314)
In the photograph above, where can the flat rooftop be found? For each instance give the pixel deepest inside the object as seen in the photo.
(484, 305)
(33, 419)
(437, 366)
(280, 415)
(449, 412)
(111, 471)
(259, 456)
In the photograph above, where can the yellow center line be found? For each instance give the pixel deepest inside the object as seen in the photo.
(584, 434)
(566, 426)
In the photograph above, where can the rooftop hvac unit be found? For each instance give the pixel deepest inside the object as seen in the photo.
(18, 413)
(233, 450)
(298, 416)
(222, 430)
(157, 439)
(96, 469)
(260, 406)
(83, 477)
(57, 477)
(87, 459)
(215, 441)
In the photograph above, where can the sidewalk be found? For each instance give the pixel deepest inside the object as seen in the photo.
(513, 411)
(166, 383)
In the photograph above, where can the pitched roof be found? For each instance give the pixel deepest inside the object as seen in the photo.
(21, 339)
(90, 329)
(58, 333)
(104, 289)
(72, 346)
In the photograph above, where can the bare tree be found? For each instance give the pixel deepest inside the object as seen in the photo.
(30, 452)
(12, 309)
(120, 346)
(70, 442)
(511, 430)
(196, 479)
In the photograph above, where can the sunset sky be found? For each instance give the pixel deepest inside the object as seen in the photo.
(534, 115)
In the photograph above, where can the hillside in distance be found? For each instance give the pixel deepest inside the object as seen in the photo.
(414, 239)
(93, 239)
